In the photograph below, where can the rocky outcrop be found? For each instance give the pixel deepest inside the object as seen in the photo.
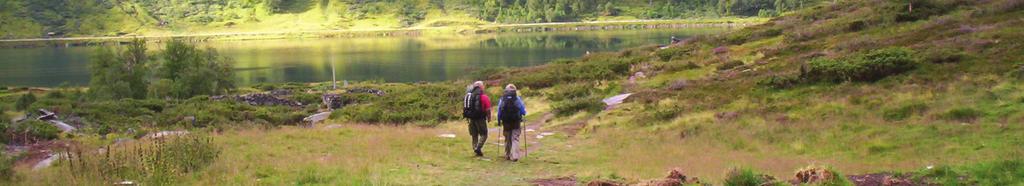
(333, 101)
(814, 175)
(260, 99)
(367, 91)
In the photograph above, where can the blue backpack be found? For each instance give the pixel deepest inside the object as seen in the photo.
(510, 112)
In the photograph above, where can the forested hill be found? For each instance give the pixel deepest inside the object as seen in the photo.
(50, 18)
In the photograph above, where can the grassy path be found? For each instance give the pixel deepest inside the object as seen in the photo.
(386, 155)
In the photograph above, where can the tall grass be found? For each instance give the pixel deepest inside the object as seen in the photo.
(1006, 172)
(160, 161)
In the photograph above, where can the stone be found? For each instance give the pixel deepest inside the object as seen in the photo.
(814, 175)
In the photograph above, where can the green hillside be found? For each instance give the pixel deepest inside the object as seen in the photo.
(39, 18)
(918, 92)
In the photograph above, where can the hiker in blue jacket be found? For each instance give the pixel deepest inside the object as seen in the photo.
(510, 116)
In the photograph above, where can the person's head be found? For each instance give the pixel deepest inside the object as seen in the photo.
(510, 87)
(479, 84)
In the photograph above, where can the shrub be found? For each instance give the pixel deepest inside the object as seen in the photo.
(871, 66)
(194, 71)
(37, 130)
(857, 25)
(677, 66)
(730, 65)
(963, 114)
(25, 101)
(658, 114)
(406, 103)
(738, 37)
(1018, 72)
(829, 70)
(572, 106)
(672, 53)
(6, 167)
(903, 112)
(306, 98)
(158, 162)
(944, 55)
(596, 67)
(570, 91)
(779, 82)
(748, 177)
(922, 9)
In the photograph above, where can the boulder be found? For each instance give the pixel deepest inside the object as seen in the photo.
(814, 175)
(333, 101)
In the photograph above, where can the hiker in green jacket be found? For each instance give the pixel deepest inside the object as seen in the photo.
(510, 116)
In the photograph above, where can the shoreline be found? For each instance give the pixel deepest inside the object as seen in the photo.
(415, 31)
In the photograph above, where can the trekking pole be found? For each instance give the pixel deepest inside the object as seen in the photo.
(500, 141)
(526, 146)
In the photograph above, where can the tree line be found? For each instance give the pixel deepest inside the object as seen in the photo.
(182, 71)
(78, 15)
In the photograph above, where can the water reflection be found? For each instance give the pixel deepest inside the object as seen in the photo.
(393, 59)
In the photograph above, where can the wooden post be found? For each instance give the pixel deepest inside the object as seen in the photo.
(334, 80)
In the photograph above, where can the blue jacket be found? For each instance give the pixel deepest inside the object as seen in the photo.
(519, 104)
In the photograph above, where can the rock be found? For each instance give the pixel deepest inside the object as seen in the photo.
(725, 116)
(64, 127)
(562, 181)
(675, 177)
(333, 101)
(265, 100)
(615, 100)
(367, 91)
(894, 181)
(720, 50)
(881, 179)
(46, 115)
(676, 173)
(47, 162)
(814, 175)
(280, 92)
(678, 85)
(603, 183)
(162, 134)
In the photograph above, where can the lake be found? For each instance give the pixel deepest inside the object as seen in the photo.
(392, 59)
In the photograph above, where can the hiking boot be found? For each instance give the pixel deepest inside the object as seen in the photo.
(478, 153)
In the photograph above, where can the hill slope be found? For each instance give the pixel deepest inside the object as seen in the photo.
(39, 18)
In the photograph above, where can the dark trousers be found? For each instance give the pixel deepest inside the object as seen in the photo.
(478, 131)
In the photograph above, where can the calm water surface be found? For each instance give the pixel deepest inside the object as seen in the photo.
(392, 59)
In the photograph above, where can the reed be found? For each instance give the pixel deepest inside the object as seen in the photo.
(157, 161)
